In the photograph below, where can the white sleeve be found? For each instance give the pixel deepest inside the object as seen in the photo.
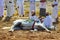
(17, 3)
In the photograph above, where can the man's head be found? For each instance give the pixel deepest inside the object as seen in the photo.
(33, 12)
(47, 14)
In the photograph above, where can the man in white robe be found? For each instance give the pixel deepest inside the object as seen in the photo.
(1, 9)
(20, 5)
(33, 16)
(55, 10)
(10, 9)
(48, 22)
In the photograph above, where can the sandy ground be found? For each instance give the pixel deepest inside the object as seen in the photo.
(26, 34)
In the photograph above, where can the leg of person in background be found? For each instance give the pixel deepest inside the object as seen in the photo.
(55, 10)
(55, 15)
(42, 8)
(8, 15)
(57, 21)
(20, 5)
(10, 10)
(1, 9)
(6, 2)
(32, 6)
(42, 12)
(5, 5)
(19, 11)
(22, 10)
(1, 12)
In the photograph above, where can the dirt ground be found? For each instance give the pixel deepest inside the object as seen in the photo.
(26, 34)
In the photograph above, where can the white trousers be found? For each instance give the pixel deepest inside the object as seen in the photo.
(21, 9)
(1, 11)
(54, 13)
(10, 10)
(32, 7)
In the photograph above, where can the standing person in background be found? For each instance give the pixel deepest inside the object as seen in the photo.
(1, 9)
(43, 8)
(55, 11)
(10, 9)
(20, 5)
(32, 6)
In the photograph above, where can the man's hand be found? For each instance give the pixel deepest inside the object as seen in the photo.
(53, 5)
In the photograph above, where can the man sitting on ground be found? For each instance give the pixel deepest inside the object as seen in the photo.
(48, 23)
